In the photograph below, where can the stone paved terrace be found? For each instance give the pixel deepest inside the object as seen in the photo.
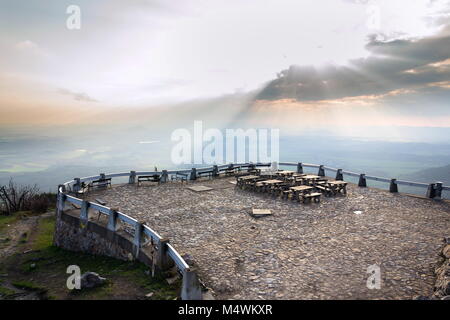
(313, 251)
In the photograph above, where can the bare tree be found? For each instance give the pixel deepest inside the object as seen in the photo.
(14, 198)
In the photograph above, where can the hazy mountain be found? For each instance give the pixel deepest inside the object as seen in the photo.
(430, 175)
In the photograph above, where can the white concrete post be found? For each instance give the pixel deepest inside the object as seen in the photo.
(191, 288)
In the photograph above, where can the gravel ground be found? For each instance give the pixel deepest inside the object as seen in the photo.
(312, 251)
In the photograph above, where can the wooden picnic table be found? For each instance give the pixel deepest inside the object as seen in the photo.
(249, 177)
(285, 173)
(308, 179)
(311, 176)
(300, 191)
(269, 183)
(244, 180)
(337, 186)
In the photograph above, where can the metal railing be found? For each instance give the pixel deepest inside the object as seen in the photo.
(164, 248)
(433, 190)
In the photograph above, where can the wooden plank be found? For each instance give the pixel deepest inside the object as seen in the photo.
(261, 212)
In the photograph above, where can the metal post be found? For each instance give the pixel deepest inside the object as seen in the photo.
(362, 180)
(438, 191)
(393, 186)
(215, 170)
(339, 176)
(132, 179)
(191, 289)
(431, 192)
(164, 176)
(321, 172)
(299, 168)
(76, 185)
(193, 174)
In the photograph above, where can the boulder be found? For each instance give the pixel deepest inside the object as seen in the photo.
(91, 280)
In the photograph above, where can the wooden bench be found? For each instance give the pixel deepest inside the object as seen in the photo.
(324, 189)
(181, 176)
(208, 173)
(101, 183)
(101, 202)
(152, 178)
(285, 194)
(84, 189)
(312, 197)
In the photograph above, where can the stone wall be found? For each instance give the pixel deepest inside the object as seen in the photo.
(442, 286)
(94, 238)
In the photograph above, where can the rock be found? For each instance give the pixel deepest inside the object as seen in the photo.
(446, 251)
(447, 240)
(445, 298)
(188, 259)
(149, 295)
(91, 280)
(33, 266)
(171, 280)
(422, 298)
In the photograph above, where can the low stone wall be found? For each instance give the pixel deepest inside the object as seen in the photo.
(442, 286)
(93, 237)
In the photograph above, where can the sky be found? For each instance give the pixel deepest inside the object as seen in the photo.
(378, 62)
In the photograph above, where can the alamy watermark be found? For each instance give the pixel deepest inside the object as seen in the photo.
(74, 280)
(374, 280)
(214, 146)
(73, 22)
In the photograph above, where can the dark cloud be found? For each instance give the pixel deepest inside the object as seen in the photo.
(78, 96)
(387, 68)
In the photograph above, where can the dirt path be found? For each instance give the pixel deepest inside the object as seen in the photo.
(17, 233)
(31, 268)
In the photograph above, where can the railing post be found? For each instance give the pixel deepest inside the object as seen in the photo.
(215, 170)
(77, 184)
(84, 212)
(438, 190)
(339, 176)
(274, 166)
(321, 172)
(299, 167)
(162, 258)
(164, 176)
(431, 192)
(393, 187)
(132, 179)
(193, 174)
(112, 220)
(137, 241)
(191, 289)
(61, 198)
(362, 180)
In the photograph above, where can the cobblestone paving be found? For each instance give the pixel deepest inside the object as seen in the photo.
(312, 251)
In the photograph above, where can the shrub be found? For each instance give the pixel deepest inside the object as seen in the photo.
(14, 198)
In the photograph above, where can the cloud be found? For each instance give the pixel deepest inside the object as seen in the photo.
(391, 65)
(26, 45)
(83, 97)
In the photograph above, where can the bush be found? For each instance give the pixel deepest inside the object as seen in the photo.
(15, 198)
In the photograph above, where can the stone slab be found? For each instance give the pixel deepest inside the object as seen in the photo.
(200, 188)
